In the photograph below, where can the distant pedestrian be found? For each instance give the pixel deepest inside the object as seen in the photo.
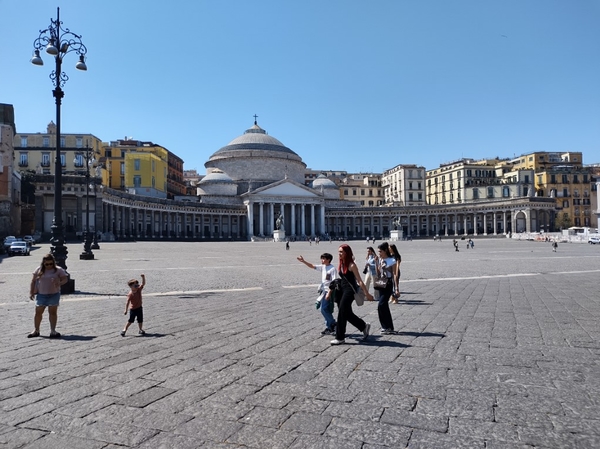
(351, 282)
(134, 305)
(455, 243)
(287, 245)
(45, 287)
(554, 245)
(324, 300)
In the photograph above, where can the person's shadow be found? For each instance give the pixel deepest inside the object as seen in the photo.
(76, 337)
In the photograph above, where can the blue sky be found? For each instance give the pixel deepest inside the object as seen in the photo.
(348, 85)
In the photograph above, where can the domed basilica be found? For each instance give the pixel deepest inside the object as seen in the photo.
(259, 172)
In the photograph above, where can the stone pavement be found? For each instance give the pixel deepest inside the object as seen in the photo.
(497, 347)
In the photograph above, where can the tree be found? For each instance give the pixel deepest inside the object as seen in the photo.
(563, 221)
(27, 187)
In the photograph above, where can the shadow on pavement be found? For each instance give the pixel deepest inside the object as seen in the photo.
(422, 334)
(75, 337)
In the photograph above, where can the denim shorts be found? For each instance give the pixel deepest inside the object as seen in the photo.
(47, 300)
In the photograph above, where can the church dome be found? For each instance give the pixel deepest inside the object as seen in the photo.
(255, 138)
(258, 158)
(216, 177)
(323, 181)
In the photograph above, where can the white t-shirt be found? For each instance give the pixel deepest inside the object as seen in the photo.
(387, 265)
(328, 274)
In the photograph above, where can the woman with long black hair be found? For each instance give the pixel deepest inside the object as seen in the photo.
(351, 282)
(386, 267)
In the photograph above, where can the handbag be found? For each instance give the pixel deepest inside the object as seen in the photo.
(381, 282)
(359, 297)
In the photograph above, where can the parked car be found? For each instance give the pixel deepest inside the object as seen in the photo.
(593, 240)
(19, 247)
(29, 239)
(8, 241)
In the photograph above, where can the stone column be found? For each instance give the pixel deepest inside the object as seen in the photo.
(303, 220)
(312, 220)
(322, 220)
(484, 223)
(293, 219)
(261, 219)
(250, 215)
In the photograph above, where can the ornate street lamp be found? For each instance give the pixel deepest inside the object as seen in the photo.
(87, 253)
(58, 41)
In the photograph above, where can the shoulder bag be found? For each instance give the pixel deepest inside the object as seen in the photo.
(382, 282)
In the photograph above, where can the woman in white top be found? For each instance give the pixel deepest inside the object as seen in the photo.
(370, 270)
(386, 266)
(45, 287)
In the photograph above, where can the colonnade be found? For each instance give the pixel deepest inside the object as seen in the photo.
(127, 216)
(300, 219)
(148, 221)
(521, 216)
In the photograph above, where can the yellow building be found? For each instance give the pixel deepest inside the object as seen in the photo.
(362, 187)
(142, 168)
(562, 176)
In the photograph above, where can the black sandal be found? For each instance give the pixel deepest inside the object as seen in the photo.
(33, 334)
(55, 335)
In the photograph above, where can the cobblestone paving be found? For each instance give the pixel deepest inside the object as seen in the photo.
(497, 347)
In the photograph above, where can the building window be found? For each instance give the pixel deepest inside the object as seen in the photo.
(79, 142)
(153, 181)
(45, 159)
(490, 192)
(137, 181)
(46, 141)
(62, 141)
(122, 168)
(565, 203)
(78, 160)
(153, 166)
(136, 164)
(63, 160)
(24, 141)
(565, 179)
(475, 194)
(23, 162)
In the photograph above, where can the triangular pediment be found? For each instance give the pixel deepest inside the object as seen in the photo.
(284, 188)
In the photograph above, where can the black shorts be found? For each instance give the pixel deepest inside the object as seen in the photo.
(139, 313)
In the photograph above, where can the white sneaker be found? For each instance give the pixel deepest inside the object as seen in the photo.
(366, 331)
(337, 342)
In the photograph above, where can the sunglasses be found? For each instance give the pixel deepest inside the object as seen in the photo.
(48, 264)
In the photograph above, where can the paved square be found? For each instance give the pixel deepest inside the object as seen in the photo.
(498, 347)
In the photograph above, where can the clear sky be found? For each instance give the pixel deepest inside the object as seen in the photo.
(348, 85)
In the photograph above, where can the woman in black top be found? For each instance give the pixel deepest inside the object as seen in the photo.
(351, 282)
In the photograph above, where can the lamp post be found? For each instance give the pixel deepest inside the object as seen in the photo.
(87, 253)
(58, 41)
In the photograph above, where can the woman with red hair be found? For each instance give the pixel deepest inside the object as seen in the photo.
(351, 282)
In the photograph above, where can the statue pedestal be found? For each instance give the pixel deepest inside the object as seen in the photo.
(279, 235)
(396, 235)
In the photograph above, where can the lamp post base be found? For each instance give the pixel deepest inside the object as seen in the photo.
(67, 288)
(86, 256)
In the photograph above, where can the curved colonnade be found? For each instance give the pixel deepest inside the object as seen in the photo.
(126, 216)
